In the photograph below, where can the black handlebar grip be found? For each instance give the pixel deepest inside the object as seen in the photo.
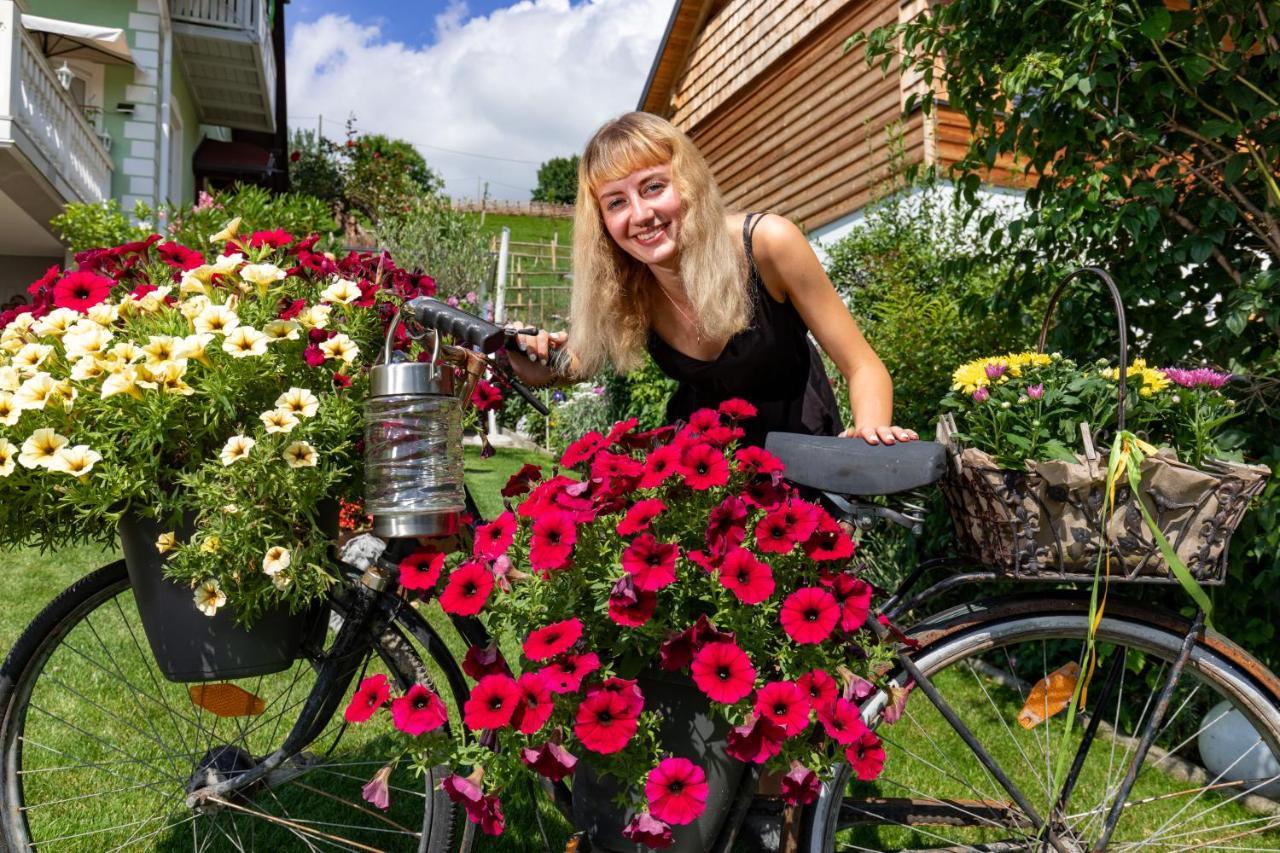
(459, 325)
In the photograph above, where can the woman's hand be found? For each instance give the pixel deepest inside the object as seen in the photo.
(532, 362)
(881, 434)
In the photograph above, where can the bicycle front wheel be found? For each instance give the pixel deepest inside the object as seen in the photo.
(100, 751)
(986, 661)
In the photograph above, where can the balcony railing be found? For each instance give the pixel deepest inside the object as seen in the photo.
(220, 40)
(247, 15)
(49, 128)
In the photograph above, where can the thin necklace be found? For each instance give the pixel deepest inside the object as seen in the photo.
(697, 332)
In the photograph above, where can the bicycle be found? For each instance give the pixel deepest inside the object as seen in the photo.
(99, 752)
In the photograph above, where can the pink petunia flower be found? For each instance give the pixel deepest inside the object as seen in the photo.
(677, 791)
(467, 589)
(726, 525)
(604, 722)
(484, 660)
(736, 410)
(550, 760)
(659, 466)
(640, 516)
(554, 535)
(821, 689)
(703, 467)
(493, 539)
(492, 703)
(631, 607)
(809, 615)
(371, 695)
(723, 672)
(418, 711)
(755, 742)
(801, 786)
(866, 755)
(651, 564)
(536, 704)
(565, 674)
(552, 640)
(421, 570)
(785, 704)
(648, 830)
(749, 579)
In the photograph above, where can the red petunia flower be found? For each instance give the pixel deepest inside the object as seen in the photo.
(341, 380)
(785, 704)
(866, 756)
(620, 429)
(493, 539)
(467, 590)
(371, 695)
(421, 570)
(552, 640)
(628, 689)
(313, 355)
(821, 689)
(677, 791)
(649, 439)
(651, 564)
(801, 786)
(81, 290)
(757, 741)
(855, 604)
(646, 829)
(179, 256)
(709, 563)
(659, 465)
(275, 239)
(703, 467)
(582, 450)
(535, 704)
(721, 436)
(489, 816)
(493, 702)
(418, 711)
(554, 535)
(484, 660)
(765, 493)
(844, 722)
(757, 460)
(629, 606)
(462, 792)
(723, 672)
(565, 675)
(486, 396)
(802, 517)
(608, 466)
(736, 409)
(784, 526)
(829, 541)
(704, 419)
(550, 760)
(750, 580)
(726, 525)
(519, 482)
(640, 516)
(809, 615)
(678, 651)
(293, 309)
(604, 723)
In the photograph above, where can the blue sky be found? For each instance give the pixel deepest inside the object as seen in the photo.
(485, 89)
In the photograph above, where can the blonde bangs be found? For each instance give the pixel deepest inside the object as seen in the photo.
(617, 152)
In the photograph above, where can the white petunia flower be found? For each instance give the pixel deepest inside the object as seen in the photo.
(225, 264)
(168, 376)
(217, 320)
(193, 306)
(276, 560)
(150, 302)
(340, 347)
(10, 411)
(7, 454)
(300, 401)
(193, 347)
(315, 317)
(76, 461)
(36, 392)
(29, 358)
(282, 330)
(279, 420)
(281, 581)
(228, 231)
(56, 322)
(245, 341)
(9, 379)
(41, 448)
(86, 368)
(301, 455)
(104, 313)
(263, 275)
(342, 290)
(166, 542)
(123, 381)
(236, 448)
(91, 340)
(209, 597)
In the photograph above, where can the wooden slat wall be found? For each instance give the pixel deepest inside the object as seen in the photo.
(808, 137)
(951, 133)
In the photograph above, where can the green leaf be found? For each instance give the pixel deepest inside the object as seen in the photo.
(1055, 449)
(1157, 24)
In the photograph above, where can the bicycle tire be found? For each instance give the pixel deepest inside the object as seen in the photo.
(955, 649)
(93, 610)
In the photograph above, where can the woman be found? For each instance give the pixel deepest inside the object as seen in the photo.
(723, 302)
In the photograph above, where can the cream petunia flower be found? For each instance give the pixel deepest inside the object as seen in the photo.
(161, 348)
(342, 290)
(125, 352)
(193, 347)
(236, 448)
(263, 275)
(41, 448)
(7, 454)
(340, 347)
(193, 282)
(9, 379)
(10, 411)
(226, 264)
(300, 401)
(276, 560)
(76, 461)
(150, 302)
(209, 597)
(228, 232)
(125, 380)
(282, 330)
(168, 375)
(193, 306)
(28, 359)
(56, 322)
(36, 392)
(315, 317)
(166, 542)
(212, 544)
(217, 320)
(91, 340)
(279, 420)
(104, 313)
(301, 455)
(86, 368)
(244, 341)
(281, 581)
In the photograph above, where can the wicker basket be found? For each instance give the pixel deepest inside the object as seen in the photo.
(1045, 523)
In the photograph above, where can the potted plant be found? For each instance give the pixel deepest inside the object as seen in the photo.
(682, 614)
(206, 404)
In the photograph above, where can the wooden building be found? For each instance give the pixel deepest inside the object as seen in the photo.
(788, 121)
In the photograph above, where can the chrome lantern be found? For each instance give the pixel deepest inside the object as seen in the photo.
(413, 445)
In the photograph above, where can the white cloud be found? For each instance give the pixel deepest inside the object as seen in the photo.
(528, 82)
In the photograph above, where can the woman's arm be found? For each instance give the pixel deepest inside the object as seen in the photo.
(790, 267)
(537, 363)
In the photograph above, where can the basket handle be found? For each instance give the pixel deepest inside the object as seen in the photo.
(1120, 324)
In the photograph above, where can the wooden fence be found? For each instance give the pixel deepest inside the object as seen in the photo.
(514, 208)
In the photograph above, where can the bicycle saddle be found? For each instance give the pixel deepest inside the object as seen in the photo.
(850, 466)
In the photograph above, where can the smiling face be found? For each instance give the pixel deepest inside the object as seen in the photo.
(641, 212)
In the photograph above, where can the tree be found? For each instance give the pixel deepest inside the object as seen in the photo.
(558, 181)
(1152, 129)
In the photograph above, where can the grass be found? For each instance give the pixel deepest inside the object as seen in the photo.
(529, 229)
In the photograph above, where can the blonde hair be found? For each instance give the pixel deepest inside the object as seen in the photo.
(611, 306)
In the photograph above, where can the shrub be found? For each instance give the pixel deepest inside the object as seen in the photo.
(641, 394)
(258, 209)
(431, 235)
(90, 226)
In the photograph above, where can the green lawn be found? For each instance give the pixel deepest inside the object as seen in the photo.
(529, 229)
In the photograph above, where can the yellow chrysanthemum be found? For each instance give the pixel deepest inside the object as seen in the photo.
(1150, 380)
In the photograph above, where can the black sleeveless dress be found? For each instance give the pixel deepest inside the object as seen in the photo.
(771, 364)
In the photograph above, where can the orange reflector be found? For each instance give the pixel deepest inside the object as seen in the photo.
(1050, 696)
(226, 700)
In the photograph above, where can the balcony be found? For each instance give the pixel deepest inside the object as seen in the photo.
(226, 51)
(43, 134)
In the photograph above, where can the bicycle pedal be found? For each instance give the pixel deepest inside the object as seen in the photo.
(226, 700)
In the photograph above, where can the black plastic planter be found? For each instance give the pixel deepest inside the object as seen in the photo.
(189, 646)
(688, 730)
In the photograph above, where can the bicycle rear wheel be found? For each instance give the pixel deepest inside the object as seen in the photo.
(100, 751)
(934, 793)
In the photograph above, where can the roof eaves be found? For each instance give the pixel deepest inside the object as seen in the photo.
(661, 54)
